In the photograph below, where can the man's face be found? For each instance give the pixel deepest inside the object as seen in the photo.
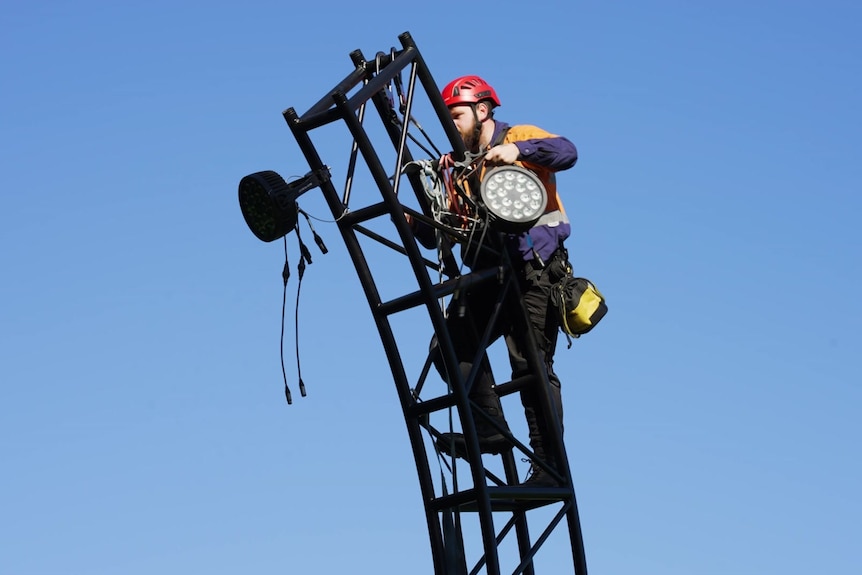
(465, 122)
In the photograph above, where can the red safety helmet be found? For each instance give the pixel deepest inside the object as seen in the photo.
(468, 90)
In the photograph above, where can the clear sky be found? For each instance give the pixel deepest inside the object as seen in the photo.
(712, 419)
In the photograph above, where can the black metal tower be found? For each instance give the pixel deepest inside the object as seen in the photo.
(477, 498)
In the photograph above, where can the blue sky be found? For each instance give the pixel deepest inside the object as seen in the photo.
(712, 420)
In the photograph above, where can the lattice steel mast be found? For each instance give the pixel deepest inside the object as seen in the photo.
(498, 509)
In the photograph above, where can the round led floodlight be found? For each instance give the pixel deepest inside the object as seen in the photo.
(268, 205)
(515, 197)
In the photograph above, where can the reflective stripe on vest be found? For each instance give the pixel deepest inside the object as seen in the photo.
(551, 218)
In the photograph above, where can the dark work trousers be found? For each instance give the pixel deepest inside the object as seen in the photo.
(468, 316)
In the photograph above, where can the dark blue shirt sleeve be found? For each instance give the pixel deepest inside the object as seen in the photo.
(553, 153)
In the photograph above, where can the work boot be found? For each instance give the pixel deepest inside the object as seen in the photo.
(540, 478)
(493, 444)
(490, 439)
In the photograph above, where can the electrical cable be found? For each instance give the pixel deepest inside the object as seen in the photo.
(285, 274)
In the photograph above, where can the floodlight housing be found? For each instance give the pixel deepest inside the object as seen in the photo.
(268, 203)
(514, 196)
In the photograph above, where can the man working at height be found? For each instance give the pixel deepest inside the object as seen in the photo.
(538, 257)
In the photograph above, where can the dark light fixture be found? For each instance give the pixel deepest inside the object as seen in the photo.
(514, 196)
(268, 203)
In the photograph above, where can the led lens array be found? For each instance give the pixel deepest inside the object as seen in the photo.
(514, 194)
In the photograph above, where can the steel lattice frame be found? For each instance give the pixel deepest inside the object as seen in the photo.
(493, 506)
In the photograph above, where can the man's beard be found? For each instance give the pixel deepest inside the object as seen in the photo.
(471, 137)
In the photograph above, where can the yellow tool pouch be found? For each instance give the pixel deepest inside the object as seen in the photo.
(580, 304)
